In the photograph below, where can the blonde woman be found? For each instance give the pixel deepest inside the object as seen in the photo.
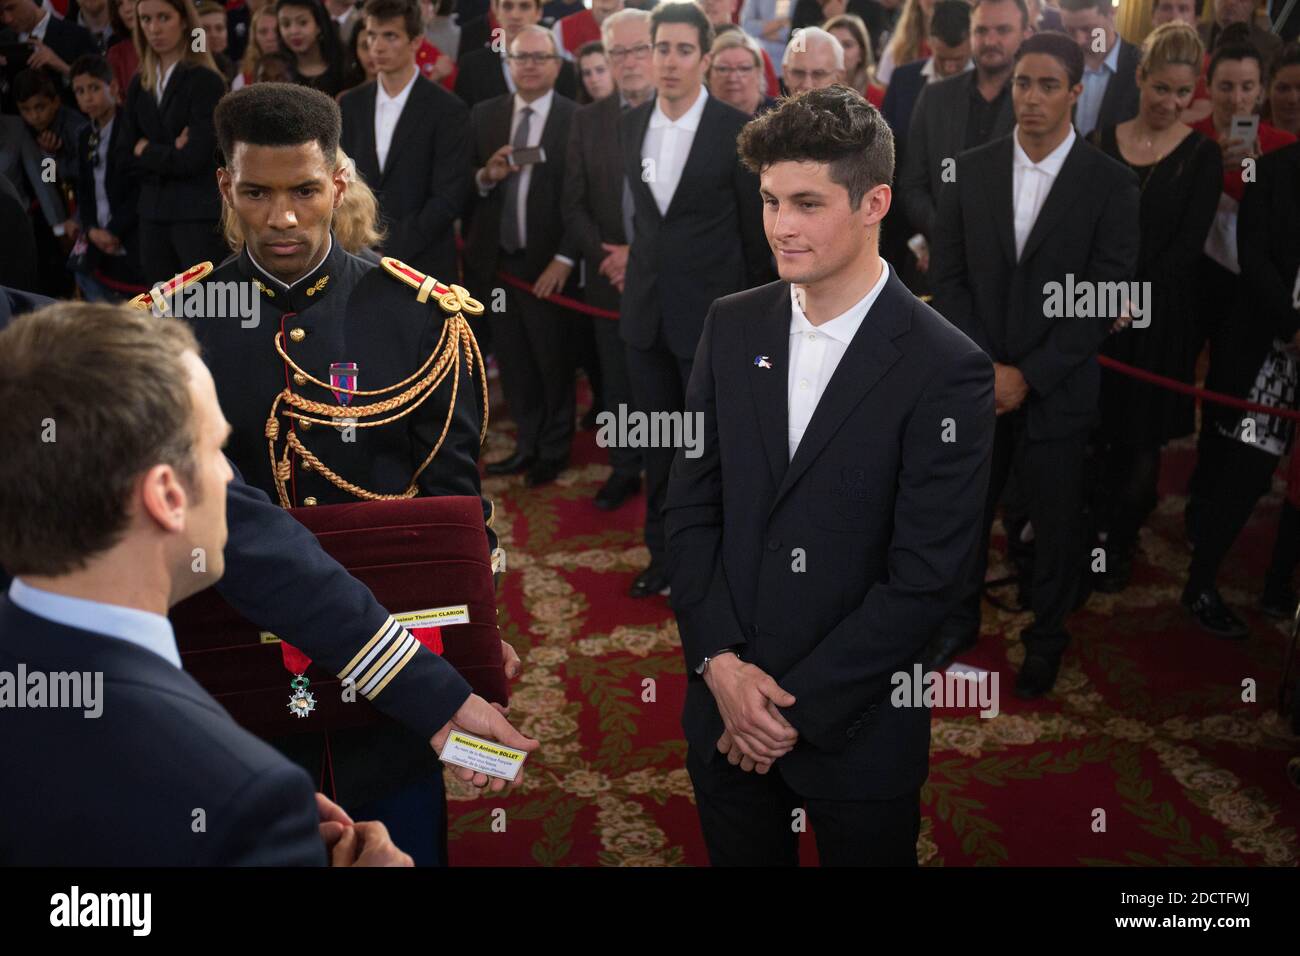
(859, 63)
(356, 221)
(265, 30)
(736, 72)
(909, 41)
(168, 140)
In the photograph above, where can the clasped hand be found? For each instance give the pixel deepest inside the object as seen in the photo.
(756, 733)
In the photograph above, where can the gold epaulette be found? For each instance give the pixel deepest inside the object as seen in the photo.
(453, 298)
(156, 298)
(382, 406)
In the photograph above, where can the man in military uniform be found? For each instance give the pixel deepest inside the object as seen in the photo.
(343, 381)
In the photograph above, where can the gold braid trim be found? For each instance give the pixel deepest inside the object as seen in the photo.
(455, 340)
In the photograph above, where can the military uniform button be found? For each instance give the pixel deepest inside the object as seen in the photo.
(297, 334)
(304, 425)
(306, 465)
(299, 379)
(309, 501)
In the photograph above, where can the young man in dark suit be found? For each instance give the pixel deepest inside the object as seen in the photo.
(57, 42)
(518, 227)
(133, 496)
(483, 72)
(1030, 219)
(107, 198)
(827, 527)
(598, 214)
(410, 140)
(697, 235)
(962, 112)
(1110, 93)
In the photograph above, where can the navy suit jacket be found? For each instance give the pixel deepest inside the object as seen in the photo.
(162, 777)
(904, 87)
(882, 502)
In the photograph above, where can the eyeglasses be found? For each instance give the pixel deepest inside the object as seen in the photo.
(536, 58)
(741, 71)
(640, 52)
(818, 76)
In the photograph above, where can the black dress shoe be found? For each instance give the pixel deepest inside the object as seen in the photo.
(513, 465)
(653, 580)
(543, 473)
(1213, 615)
(943, 650)
(1037, 675)
(1278, 600)
(1116, 577)
(616, 490)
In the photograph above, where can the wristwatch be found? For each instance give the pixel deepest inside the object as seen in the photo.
(704, 665)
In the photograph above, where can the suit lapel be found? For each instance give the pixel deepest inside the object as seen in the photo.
(768, 338)
(696, 158)
(412, 112)
(1060, 199)
(640, 119)
(869, 356)
(368, 161)
(998, 193)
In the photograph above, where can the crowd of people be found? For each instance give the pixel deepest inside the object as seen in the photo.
(543, 152)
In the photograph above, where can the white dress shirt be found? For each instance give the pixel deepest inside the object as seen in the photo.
(1031, 182)
(103, 211)
(815, 353)
(536, 123)
(145, 629)
(38, 31)
(388, 110)
(668, 144)
(161, 79)
(928, 71)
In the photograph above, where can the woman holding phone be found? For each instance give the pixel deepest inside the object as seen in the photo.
(168, 140)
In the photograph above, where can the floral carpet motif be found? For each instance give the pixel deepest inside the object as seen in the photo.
(1145, 753)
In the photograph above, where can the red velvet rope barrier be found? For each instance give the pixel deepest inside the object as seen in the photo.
(1131, 371)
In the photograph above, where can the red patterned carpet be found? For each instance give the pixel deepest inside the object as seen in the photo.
(1147, 724)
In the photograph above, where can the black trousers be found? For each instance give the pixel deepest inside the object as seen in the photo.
(1127, 493)
(658, 380)
(616, 389)
(534, 349)
(167, 248)
(1286, 548)
(749, 820)
(1050, 474)
(1231, 477)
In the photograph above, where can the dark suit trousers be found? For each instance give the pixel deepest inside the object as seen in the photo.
(748, 820)
(658, 380)
(167, 248)
(616, 388)
(534, 348)
(1051, 477)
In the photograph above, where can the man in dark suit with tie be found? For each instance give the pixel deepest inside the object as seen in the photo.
(598, 214)
(1033, 220)
(410, 140)
(518, 227)
(825, 530)
(698, 235)
(57, 42)
(1110, 93)
(483, 72)
(962, 112)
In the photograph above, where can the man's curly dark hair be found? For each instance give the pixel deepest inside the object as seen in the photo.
(834, 125)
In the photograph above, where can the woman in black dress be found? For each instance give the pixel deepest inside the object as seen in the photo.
(1180, 173)
(313, 41)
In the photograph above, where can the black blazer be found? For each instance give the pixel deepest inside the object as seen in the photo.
(1087, 228)
(475, 33)
(886, 512)
(593, 192)
(175, 184)
(165, 747)
(1120, 101)
(69, 39)
(710, 244)
(479, 77)
(937, 131)
(546, 237)
(123, 197)
(1268, 245)
(900, 100)
(422, 189)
